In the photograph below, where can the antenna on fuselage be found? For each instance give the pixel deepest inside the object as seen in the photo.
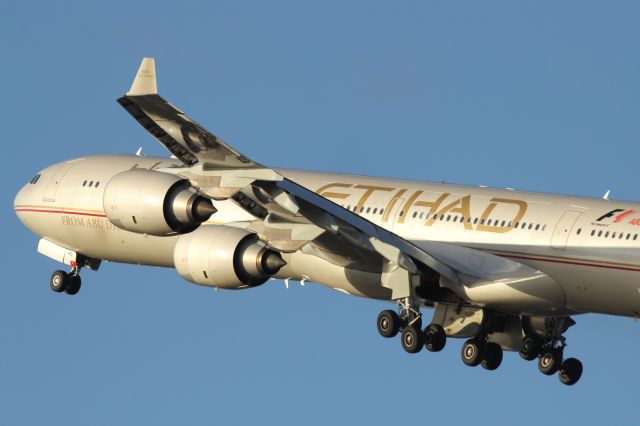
(139, 152)
(606, 195)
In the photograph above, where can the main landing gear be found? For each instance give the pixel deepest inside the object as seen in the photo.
(550, 353)
(409, 323)
(69, 283)
(479, 351)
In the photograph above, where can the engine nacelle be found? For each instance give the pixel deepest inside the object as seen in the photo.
(225, 257)
(155, 203)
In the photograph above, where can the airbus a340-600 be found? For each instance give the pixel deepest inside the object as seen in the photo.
(503, 269)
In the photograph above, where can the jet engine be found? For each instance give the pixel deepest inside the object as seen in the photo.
(225, 257)
(155, 203)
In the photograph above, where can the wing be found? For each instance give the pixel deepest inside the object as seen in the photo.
(290, 217)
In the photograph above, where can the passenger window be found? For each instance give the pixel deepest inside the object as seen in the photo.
(435, 217)
(90, 184)
(375, 210)
(381, 210)
(362, 209)
(448, 218)
(635, 237)
(481, 221)
(613, 235)
(538, 227)
(489, 222)
(530, 226)
(97, 183)
(628, 236)
(368, 209)
(620, 236)
(475, 221)
(84, 183)
(606, 235)
(599, 233)
(401, 213)
(415, 214)
(593, 232)
(523, 225)
(421, 214)
(577, 233)
(503, 223)
(544, 227)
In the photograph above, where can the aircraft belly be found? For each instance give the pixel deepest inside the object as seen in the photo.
(589, 279)
(312, 268)
(596, 289)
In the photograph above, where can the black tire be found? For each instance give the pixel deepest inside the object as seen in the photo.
(492, 356)
(472, 352)
(59, 281)
(570, 371)
(73, 285)
(549, 361)
(530, 348)
(388, 323)
(412, 339)
(435, 338)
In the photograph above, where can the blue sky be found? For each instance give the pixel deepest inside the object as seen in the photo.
(533, 95)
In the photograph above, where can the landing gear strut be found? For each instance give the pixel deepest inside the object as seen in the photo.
(68, 282)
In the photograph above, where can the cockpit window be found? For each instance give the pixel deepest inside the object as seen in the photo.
(34, 179)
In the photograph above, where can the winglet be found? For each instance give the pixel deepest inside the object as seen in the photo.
(145, 81)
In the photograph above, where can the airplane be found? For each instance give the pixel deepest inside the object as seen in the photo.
(505, 270)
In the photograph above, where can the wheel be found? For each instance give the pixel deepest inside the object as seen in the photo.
(388, 323)
(530, 348)
(492, 357)
(570, 371)
(549, 362)
(73, 285)
(59, 280)
(435, 338)
(472, 352)
(412, 339)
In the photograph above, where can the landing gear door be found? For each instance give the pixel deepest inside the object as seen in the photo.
(54, 182)
(564, 228)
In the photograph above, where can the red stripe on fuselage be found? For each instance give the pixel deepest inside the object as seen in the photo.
(567, 262)
(61, 212)
(511, 256)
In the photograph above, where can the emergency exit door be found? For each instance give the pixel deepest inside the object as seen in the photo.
(564, 228)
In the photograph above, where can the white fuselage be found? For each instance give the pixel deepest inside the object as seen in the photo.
(590, 247)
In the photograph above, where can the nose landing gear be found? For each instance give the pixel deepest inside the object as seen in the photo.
(62, 281)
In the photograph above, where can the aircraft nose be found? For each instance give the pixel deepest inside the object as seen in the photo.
(19, 200)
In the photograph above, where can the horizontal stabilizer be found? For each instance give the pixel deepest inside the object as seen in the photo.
(145, 81)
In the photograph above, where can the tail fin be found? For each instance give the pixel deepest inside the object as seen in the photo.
(145, 81)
